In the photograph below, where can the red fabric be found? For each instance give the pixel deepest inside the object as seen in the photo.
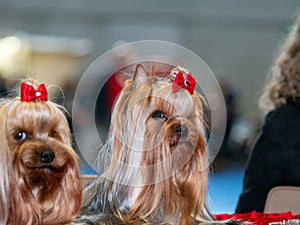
(29, 93)
(187, 83)
(114, 87)
(259, 218)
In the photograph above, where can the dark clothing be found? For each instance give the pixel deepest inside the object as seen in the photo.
(274, 159)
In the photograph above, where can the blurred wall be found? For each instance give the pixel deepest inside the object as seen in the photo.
(236, 38)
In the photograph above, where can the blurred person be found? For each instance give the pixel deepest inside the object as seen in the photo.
(230, 97)
(275, 156)
(106, 99)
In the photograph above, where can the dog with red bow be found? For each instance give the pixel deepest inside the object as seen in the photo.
(39, 168)
(158, 169)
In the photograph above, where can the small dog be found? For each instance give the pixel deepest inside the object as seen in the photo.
(40, 169)
(158, 170)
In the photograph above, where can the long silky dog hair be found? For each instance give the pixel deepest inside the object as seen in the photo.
(158, 167)
(39, 170)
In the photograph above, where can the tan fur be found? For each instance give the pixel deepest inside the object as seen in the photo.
(40, 193)
(157, 175)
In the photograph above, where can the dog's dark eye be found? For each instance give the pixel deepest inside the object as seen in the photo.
(158, 115)
(53, 134)
(21, 136)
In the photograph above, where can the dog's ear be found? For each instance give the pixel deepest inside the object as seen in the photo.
(140, 74)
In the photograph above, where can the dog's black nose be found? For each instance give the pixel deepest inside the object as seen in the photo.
(182, 130)
(47, 156)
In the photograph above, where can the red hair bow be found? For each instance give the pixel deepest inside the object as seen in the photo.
(29, 93)
(187, 83)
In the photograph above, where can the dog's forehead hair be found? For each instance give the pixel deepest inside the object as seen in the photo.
(176, 104)
(34, 117)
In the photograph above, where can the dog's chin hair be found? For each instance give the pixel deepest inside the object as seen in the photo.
(46, 203)
(171, 144)
(56, 197)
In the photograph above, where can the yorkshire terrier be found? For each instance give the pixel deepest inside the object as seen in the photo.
(39, 169)
(158, 170)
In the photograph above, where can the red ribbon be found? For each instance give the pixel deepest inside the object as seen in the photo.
(29, 93)
(187, 83)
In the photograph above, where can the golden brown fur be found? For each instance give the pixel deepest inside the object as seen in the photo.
(158, 170)
(42, 190)
(284, 82)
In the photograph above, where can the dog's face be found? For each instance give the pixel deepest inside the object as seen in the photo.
(158, 145)
(39, 139)
(45, 183)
